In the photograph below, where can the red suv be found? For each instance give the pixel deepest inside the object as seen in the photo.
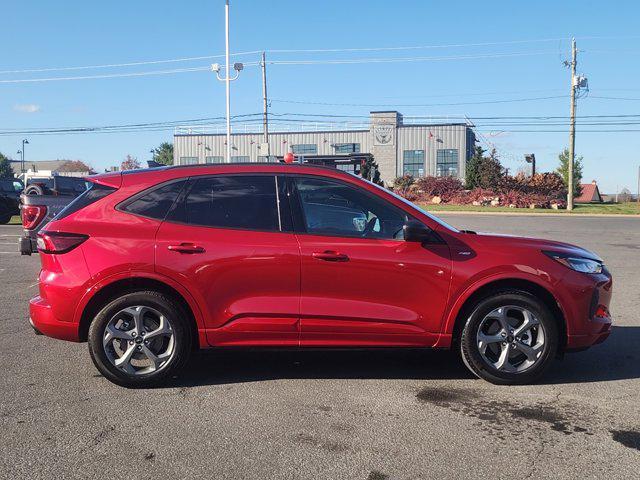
(148, 265)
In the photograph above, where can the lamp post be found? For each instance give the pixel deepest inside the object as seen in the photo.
(24, 142)
(227, 78)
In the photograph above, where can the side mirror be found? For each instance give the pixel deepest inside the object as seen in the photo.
(415, 231)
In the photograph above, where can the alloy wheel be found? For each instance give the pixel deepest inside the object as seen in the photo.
(511, 339)
(139, 340)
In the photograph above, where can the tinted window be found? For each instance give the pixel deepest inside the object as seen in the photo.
(234, 201)
(333, 208)
(93, 194)
(70, 185)
(156, 202)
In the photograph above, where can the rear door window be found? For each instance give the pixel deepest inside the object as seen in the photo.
(247, 202)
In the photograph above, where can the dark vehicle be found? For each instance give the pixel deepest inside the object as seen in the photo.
(55, 185)
(10, 189)
(42, 199)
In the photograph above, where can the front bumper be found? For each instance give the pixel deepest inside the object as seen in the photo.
(598, 321)
(43, 321)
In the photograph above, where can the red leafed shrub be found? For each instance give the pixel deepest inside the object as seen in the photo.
(549, 184)
(443, 187)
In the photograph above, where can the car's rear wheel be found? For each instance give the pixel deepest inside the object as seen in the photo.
(140, 339)
(509, 338)
(5, 218)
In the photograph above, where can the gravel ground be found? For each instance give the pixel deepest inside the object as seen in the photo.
(385, 414)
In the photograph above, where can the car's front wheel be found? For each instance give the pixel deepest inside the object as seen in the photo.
(140, 339)
(509, 338)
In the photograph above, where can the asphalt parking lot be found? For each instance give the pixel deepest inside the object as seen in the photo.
(328, 415)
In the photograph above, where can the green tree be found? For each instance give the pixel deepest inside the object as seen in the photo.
(163, 153)
(472, 176)
(369, 170)
(5, 167)
(490, 171)
(130, 163)
(563, 171)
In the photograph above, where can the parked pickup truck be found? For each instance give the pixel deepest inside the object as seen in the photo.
(42, 199)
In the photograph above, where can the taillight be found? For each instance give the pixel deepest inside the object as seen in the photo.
(59, 242)
(32, 215)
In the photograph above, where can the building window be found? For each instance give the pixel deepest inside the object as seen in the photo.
(188, 160)
(304, 149)
(347, 148)
(240, 159)
(214, 159)
(447, 162)
(413, 163)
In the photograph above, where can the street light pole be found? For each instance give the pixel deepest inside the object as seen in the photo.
(24, 142)
(227, 79)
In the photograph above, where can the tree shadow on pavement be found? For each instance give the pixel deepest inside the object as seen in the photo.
(618, 358)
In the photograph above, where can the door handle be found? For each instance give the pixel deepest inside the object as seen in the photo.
(330, 256)
(186, 248)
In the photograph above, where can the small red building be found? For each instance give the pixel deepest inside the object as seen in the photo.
(590, 193)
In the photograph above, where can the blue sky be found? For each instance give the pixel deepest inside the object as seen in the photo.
(44, 34)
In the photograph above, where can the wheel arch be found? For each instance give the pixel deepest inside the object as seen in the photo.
(126, 285)
(509, 284)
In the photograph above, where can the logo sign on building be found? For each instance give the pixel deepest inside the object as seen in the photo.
(383, 134)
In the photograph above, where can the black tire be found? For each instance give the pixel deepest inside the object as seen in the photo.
(470, 350)
(5, 218)
(33, 190)
(181, 331)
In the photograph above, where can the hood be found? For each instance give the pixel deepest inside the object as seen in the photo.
(496, 240)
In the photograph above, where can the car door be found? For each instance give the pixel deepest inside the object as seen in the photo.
(228, 243)
(362, 284)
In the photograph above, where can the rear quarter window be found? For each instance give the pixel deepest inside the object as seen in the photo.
(154, 202)
(95, 192)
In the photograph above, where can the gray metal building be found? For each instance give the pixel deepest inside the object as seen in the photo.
(398, 147)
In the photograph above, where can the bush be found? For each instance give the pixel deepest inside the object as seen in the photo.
(543, 190)
(402, 185)
(549, 184)
(443, 187)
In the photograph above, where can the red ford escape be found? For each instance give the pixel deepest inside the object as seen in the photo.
(147, 266)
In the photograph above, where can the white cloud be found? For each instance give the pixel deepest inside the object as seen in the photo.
(27, 108)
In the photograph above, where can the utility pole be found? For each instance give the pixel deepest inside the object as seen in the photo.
(572, 128)
(265, 107)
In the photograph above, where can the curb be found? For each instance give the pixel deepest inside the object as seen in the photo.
(541, 214)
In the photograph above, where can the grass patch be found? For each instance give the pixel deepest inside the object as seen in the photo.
(629, 208)
(15, 220)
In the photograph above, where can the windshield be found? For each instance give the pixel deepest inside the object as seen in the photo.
(413, 205)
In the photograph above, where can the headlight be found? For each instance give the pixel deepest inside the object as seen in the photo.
(579, 264)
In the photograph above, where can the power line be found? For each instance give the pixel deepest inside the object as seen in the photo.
(119, 65)
(406, 59)
(109, 75)
(515, 100)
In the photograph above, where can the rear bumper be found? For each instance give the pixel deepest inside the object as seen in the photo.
(43, 321)
(27, 245)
